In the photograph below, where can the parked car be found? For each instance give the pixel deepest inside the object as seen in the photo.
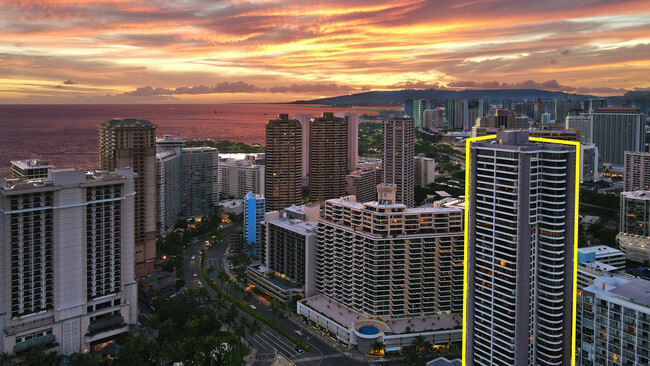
(252, 306)
(298, 332)
(195, 275)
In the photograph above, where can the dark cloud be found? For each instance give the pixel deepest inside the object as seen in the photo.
(70, 82)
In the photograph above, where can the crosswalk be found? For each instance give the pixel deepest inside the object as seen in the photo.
(316, 358)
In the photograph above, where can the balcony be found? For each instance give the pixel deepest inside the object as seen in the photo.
(105, 324)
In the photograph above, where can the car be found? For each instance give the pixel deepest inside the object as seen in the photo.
(193, 257)
(195, 275)
(298, 349)
(253, 307)
(298, 332)
(198, 283)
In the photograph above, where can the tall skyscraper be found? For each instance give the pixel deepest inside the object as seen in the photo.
(200, 173)
(590, 164)
(328, 156)
(283, 173)
(539, 110)
(67, 260)
(473, 109)
(520, 251)
(305, 121)
(132, 143)
(594, 104)
(169, 182)
(352, 119)
(397, 158)
(454, 113)
(363, 182)
(253, 216)
(408, 107)
(506, 103)
(636, 175)
(616, 131)
(584, 124)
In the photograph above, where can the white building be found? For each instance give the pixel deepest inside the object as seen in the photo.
(30, 169)
(616, 322)
(67, 245)
(602, 254)
(353, 138)
(425, 170)
(636, 174)
(583, 124)
(590, 164)
(168, 180)
(520, 244)
(238, 177)
(636, 247)
(200, 176)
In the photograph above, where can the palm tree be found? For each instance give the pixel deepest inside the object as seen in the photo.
(421, 343)
(230, 316)
(223, 277)
(240, 330)
(253, 328)
(377, 348)
(5, 359)
(217, 302)
(274, 308)
(248, 295)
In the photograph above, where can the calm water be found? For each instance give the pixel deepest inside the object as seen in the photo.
(68, 134)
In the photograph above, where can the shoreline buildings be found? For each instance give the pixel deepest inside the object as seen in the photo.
(328, 156)
(131, 143)
(398, 158)
(520, 251)
(67, 248)
(283, 173)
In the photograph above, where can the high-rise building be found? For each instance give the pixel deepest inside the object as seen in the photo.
(67, 268)
(408, 107)
(520, 251)
(200, 167)
(546, 118)
(254, 208)
(635, 213)
(454, 113)
(636, 173)
(425, 170)
(410, 265)
(328, 156)
(419, 106)
(529, 108)
(559, 108)
(506, 104)
(305, 121)
(539, 110)
(283, 173)
(590, 163)
(473, 109)
(132, 143)
(616, 131)
(397, 158)
(352, 119)
(30, 169)
(584, 124)
(594, 104)
(238, 177)
(504, 118)
(435, 118)
(363, 182)
(615, 322)
(169, 182)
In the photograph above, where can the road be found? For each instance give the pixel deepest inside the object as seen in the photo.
(267, 341)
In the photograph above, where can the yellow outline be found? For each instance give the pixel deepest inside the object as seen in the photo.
(575, 237)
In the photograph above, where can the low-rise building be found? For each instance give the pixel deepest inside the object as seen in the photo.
(602, 254)
(636, 247)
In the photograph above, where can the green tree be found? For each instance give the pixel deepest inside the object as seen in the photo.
(253, 328)
(86, 359)
(421, 344)
(377, 348)
(5, 359)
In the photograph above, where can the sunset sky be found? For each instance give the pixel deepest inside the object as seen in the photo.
(136, 51)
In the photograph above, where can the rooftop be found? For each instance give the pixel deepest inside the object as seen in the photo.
(636, 290)
(638, 241)
(600, 250)
(440, 361)
(599, 266)
(32, 163)
(347, 317)
(637, 195)
(296, 225)
(127, 123)
(633, 290)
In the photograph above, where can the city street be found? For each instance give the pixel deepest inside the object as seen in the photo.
(267, 342)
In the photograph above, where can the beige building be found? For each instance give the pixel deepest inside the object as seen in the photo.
(238, 177)
(385, 260)
(425, 170)
(328, 156)
(132, 143)
(363, 182)
(283, 175)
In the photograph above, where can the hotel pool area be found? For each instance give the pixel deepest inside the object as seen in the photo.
(368, 330)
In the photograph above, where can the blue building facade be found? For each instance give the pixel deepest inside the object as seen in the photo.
(254, 207)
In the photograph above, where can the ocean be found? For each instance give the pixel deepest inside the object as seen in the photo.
(69, 136)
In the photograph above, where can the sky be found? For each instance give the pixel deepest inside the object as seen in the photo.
(186, 51)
